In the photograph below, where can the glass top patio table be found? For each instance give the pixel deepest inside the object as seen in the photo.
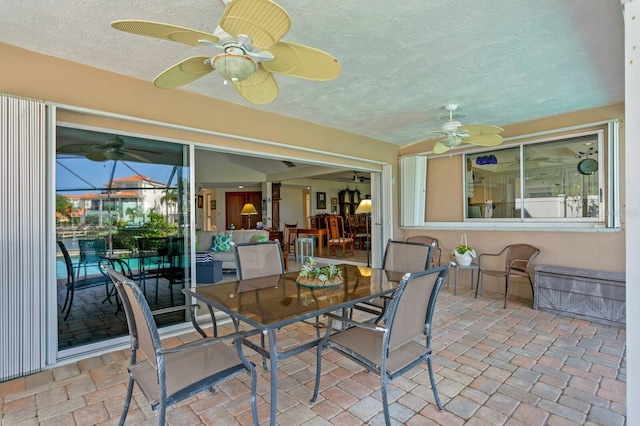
(271, 302)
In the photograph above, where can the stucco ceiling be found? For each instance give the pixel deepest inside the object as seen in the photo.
(502, 61)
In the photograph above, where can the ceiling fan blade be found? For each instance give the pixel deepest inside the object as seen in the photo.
(481, 129)
(163, 31)
(302, 61)
(260, 88)
(77, 148)
(440, 148)
(183, 72)
(485, 140)
(262, 20)
(96, 156)
(130, 156)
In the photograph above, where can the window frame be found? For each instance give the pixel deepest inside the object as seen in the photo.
(608, 174)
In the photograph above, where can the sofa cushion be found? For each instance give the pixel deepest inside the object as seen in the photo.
(258, 239)
(221, 243)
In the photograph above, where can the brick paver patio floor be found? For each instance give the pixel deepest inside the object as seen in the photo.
(494, 366)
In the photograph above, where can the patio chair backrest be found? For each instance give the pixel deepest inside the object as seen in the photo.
(142, 326)
(92, 251)
(410, 311)
(258, 259)
(517, 252)
(67, 261)
(402, 256)
(425, 239)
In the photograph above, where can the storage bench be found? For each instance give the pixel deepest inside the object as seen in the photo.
(596, 296)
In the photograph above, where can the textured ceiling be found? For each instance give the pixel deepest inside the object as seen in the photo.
(502, 61)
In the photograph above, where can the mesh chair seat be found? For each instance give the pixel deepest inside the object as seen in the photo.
(185, 369)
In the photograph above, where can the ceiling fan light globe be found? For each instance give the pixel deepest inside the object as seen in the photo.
(234, 67)
(451, 142)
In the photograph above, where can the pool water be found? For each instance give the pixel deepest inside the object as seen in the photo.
(92, 268)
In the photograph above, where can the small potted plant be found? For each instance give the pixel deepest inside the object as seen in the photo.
(314, 275)
(463, 253)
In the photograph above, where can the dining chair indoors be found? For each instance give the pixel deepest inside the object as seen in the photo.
(436, 258)
(169, 375)
(517, 258)
(337, 236)
(74, 283)
(290, 235)
(360, 236)
(390, 348)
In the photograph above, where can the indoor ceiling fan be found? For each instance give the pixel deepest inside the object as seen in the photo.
(357, 178)
(113, 149)
(453, 133)
(249, 50)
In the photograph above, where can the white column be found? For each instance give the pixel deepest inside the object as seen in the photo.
(632, 191)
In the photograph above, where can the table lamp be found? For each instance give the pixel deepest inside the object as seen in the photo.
(365, 208)
(248, 210)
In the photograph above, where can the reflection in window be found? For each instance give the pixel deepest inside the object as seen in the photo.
(121, 191)
(556, 180)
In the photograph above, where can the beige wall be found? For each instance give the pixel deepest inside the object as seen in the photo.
(202, 120)
(59, 81)
(589, 250)
(64, 82)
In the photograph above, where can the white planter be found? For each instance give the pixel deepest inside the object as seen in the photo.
(464, 259)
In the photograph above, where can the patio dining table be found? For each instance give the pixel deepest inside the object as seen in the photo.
(269, 303)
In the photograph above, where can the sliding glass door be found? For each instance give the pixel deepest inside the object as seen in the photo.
(123, 202)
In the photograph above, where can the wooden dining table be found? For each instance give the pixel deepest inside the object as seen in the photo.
(320, 233)
(268, 303)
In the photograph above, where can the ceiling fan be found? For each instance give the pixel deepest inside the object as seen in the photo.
(113, 149)
(249, 50)
(356, 178)
(453, 133)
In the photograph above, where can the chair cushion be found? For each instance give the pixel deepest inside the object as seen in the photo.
(221, 243)
(340, 240)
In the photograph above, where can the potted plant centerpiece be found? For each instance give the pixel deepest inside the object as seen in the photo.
(464, 254)
(314, 275)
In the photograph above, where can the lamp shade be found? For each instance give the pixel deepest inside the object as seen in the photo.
(364, 207)
(248, 209)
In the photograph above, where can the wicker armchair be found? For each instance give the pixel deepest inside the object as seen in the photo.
(517, 258)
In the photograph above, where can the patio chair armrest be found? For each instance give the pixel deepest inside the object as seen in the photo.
(182, 308)
(172, 309)
(345, 320)
(203, 342)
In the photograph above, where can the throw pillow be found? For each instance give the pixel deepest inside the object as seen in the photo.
(258, 239)
(221, 243)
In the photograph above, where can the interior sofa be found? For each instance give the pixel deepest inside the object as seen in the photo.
(205, 243)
